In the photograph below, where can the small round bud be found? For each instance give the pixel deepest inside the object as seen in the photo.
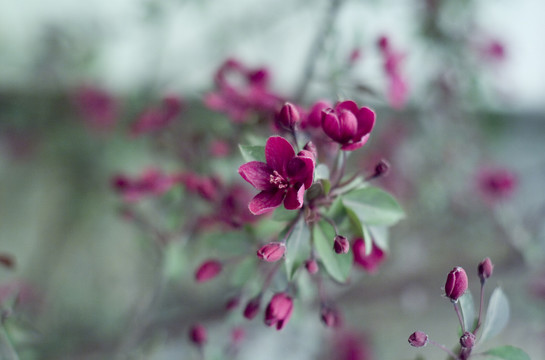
(418, 339)
(312, 266)
(198, 335)
(271, 252)
(467, 340)
(485, 269)
(341, 245)
(456, 284)
(208, 270)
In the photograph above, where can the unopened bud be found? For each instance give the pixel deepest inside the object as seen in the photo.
(312, 266)
(381, 168)
(485, 269)
(232, 303)
(198, 335)
(331, 317)
(341, 244)
(252, 307)
(7, 261)
(456, 284)
(418, 339)
(467, 340)
(208, 270)
(271, 252)
(279, 310)
(288, 116)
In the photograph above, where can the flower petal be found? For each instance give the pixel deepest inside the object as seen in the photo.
(300, 169)
(366, 121)
(330, 124)
(294, 197)
(347, 105)
(278, 151)
(266, 201)
(258, 174)
(348, 125)
(355, 145)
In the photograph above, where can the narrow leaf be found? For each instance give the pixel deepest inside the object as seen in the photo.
(497, 315)
(338, 266)
(297, 247)
(252, 153)
(468, 310)
(508, 352)
(373, 206)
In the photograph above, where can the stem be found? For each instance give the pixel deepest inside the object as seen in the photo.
(7, 352)
(459, 316)
(480, 309)
(442, 347)
(339, 170)
(317, 47)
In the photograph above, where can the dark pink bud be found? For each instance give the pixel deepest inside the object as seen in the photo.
(331, 317)
(381, 168)
(232, 303)
(312, 266)
(208, 270)
(252, 307)
(279, 310)
(271, 252)
(418, 339)
(485, 269)
(467, 340)
(456, 284)
(288, 116)
(311, 148)
(314, 118)
(383, 43)
(369, 262)
(341, 245)
(198, 335)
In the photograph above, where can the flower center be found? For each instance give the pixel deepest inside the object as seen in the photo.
(277, 179)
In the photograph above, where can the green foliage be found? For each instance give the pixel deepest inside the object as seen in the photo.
(467, 305)
(373, 206)
(497, 314)
(252, 153)
(297, 247)
(337, 265)
(507, 352)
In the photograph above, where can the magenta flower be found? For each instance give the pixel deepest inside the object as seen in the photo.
(283, 178)
(198, 334)
(370, 262)
(279, 310)
(348, 125)
(155, 119)
(496, 183)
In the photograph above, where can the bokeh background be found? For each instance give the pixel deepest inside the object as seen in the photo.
(475, 100)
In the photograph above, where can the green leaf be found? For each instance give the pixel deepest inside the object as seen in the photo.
(283, 214)
(297, 247)
(338, 266)
(360, 230)
(252, 153)
(321, 172)
(467, 306)
(497, 315)
(244, 271)
(373, 206)
(380, 235)
(508, 352)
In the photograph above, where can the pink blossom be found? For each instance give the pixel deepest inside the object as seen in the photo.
(208, 270)
(348, 125)
(198, 334)
(283, 178)
(279, 310)
(272, 252)
(152, 182)
(370, 262)
(157, 118)
(456, 284)
(496, 183)
(398, 89)
(98, 108)
(314, 117)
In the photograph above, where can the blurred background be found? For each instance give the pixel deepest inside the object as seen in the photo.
(459, 92)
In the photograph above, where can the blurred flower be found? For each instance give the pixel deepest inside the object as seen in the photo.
(241, 91)
(350, 345)
(155, 119)
(198, 335)
(7, 261)
(456, 284)
(496, 183)
(208, 270)
(97, 107)
(279, 310)
(331, 317)
(312, 266)
(152, 182)
(252, 307)
(219, 148)
(348, 125)
(370, 262)
(397, 86)
(283, 178)
(314, 117)
(485, 269)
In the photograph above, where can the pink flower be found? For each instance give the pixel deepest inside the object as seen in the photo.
(97, 106)
(208, 270)
(314, 117)
(348, 125)
(283, 178)
(155, 119)
(152, 182)
(252, 307)
(418, 339)
(341, 245)
(485, 269)
(198, 334)
(370, 262)
(398, 89)
(279, 310)
(271, 252)
(496, 184)
(456, 284)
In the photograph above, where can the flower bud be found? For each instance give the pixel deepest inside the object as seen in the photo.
(7, 261)
(467, 340)
(485, 269)
(381, 168)
(341, 244)
(418, 339)
(271, 252)
(456, 283)
(208, 270)
(232, 303)
(314, 118)
(312, 266)
(279, 310)
(331, 317)
(198, 335)
(252, 307)
(288, 116)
